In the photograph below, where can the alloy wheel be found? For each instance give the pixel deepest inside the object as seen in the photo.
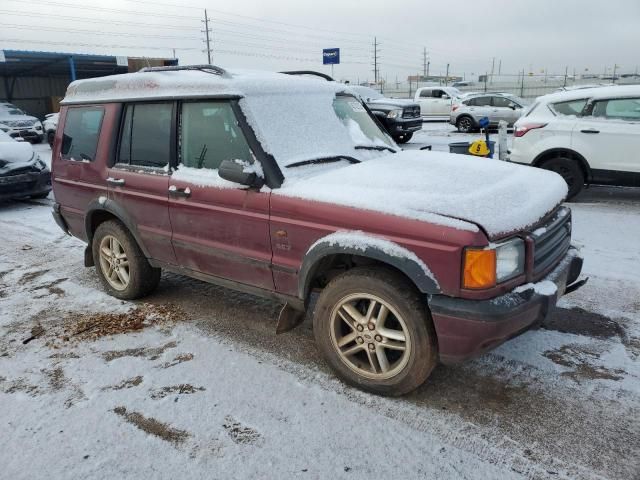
(369, 335)
(114, 263)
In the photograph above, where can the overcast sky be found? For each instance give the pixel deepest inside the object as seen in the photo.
(287, 34)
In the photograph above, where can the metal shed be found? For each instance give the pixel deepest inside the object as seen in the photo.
(37, 81)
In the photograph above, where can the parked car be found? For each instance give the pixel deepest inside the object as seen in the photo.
(16, 123)
(50, 125)
(588, 136)
(436, 101)
(467, 112)
(22, 173)
(400, 118)
(413, 260)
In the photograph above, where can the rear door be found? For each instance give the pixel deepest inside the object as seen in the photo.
(480, 107)
(502, 110)
(138, 182)
(441, 102)
(219, 228)
(610, 138)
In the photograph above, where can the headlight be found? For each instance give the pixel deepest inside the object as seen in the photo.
(484, 268)
(38, 126)
(395, 113)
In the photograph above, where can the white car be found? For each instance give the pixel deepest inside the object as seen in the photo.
(587, 136)
(18, 124)
(50, 125)
(436, 101)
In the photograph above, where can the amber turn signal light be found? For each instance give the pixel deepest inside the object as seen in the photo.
(479, 268)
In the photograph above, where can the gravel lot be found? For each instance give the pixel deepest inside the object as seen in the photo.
(197, 385)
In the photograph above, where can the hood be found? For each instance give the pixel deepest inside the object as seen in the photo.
(459, 191)
(394, 102)
(15, 152)
(20, 118)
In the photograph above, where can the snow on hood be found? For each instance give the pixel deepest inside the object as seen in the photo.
(14, 152)
(459, 191)
(400, 102)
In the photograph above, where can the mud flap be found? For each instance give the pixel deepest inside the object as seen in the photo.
(575, 286)
(289, 319)
(88, 257)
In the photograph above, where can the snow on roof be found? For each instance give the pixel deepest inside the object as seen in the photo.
(191, 83)
(457, 191)
(594, 92)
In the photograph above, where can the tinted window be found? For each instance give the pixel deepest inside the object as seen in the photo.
(573, 107)
(622, 108)
(209, 134)
(81, 132)
(479, 102)
(146, 135)
(425, 93)
(502, 102)
(437, 93)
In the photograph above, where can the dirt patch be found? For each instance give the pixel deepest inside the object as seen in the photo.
(578, 357)
(185, 357)
(183, 389)
(581, 322)
(56, 378)
(31, 276)
(20, 385)
(52, 287)
(153, 426)
(130, 383)
(239, 433)
(96, 325)
(146, 352)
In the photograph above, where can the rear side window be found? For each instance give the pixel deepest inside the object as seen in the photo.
(425, 93)
(620, 108)
(479, 102)
(146, 135)
(573, 107)
(502, 102)
(81, 133)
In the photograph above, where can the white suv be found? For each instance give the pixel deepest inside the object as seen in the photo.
(587, 136)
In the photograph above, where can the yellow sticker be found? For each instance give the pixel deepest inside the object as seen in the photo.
(479, 148)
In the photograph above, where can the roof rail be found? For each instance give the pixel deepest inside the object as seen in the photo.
(309, 72)
(203, 68)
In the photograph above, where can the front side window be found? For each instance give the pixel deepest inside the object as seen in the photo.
(81, 133)
(146, 135)
(502, 102)
(209, 134)
(572, 107)
(480, 102)
(619, 108)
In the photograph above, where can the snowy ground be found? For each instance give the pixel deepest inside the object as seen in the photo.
(213, 393)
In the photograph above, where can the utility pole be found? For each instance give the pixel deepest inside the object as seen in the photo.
(613, 77)
(566, 71)
(499, 67)
(493, 65)
(207, 31)
(424, 62)
(375, 60)
(446, 77)
(428, 65)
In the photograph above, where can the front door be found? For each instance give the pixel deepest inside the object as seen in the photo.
(219, 228)
(139, 180)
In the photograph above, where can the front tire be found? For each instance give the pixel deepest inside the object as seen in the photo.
(570, 171)
(404, 138)
(374, 330)
(465, 124)
(123, 269)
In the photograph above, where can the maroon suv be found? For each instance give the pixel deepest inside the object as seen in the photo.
(282, 187)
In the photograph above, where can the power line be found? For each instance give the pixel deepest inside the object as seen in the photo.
(75, 30)
(78, 44)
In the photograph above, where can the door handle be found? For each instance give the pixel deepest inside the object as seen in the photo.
(179, 192)
(116, 182)
(590, 131)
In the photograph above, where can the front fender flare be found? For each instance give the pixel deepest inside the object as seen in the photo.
(375, 248)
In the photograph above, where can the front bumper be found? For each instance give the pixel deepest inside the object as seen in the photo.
(25, 184)
(468, 328)
(406, 125)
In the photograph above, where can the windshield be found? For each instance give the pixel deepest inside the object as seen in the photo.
(316, 123)
(519, 100)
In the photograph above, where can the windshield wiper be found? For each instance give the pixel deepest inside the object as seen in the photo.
(379, 148)
(324, 160)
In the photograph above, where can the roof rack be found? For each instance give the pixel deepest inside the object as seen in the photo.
(203, 68)
(309, 72)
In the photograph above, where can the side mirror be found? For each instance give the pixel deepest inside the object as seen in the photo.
(238, 173)
(445, 97)
(513, 106)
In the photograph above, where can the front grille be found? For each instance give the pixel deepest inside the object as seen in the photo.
(551, 242)
(411, 112)
(20, 123)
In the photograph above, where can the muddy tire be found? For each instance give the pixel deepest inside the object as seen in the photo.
(374, 330)
(570, 171)
(123, 269)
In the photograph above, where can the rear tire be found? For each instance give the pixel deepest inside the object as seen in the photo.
(123, 269)
(50, 138)
(387, 352)
(404, 138)
(465, 124)
(569, 170)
